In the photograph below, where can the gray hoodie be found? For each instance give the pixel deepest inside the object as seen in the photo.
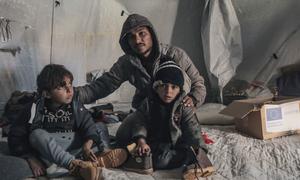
(129, 68)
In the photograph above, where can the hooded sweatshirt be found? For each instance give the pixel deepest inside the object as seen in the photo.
(130, 67)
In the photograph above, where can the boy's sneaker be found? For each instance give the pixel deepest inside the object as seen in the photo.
(54, 171)
(112, 158)
(136, 163)
(201, 168)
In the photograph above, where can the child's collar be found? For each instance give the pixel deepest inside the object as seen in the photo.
(179, 97)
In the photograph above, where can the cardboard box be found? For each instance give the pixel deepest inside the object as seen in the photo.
(265, 118)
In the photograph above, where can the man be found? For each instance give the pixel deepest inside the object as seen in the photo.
(142, 57)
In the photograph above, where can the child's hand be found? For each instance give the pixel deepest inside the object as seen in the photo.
(142, 147)
(37, 167)
(89, 155)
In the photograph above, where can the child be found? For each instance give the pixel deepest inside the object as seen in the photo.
(61, 130)
(167, 128)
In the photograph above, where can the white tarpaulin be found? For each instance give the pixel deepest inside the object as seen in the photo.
(82, 35)
(245, 39)
(221, 37)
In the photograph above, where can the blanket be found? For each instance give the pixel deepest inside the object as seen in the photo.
(235, 156)
(238, 157)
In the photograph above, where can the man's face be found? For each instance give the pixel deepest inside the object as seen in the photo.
(140, 41)
(63, 94)
(167, 92)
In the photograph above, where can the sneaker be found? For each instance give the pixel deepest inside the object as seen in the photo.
(139, 164)
(112, 158)
(54, 171)
(201, 168)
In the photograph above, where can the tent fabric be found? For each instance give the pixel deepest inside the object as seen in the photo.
(246, 40)
(82, 35)
(287, 54)
(221, 38)
(268, 27)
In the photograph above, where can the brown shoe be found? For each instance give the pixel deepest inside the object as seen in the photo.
(112, 158)
(201, 168)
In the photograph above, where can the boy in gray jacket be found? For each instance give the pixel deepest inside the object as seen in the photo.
(61, 130)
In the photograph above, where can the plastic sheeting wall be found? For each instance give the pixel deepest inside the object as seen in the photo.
(85, 38)
(86, 33)
(28, 49)
(267, 34)
(267, 26)
(82, 35)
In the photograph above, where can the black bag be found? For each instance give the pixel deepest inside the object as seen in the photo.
(16, 104)
(288, 84)
(16, 112)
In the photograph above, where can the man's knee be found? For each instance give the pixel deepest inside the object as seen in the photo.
(124, 132)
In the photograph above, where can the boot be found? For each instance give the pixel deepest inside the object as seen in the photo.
(136, 163)
(202, 167)
(139, 164)
(112, 158)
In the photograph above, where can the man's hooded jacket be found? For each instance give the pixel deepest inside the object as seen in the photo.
(129, 67)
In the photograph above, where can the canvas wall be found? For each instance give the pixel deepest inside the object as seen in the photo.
(83, 35)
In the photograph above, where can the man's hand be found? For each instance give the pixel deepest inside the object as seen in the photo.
(37, 167)
(142, 147)
(88, 154)
(188, 101)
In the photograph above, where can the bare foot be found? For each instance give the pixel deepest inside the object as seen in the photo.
(37, 167)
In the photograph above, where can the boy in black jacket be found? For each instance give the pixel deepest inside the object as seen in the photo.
(167, 128)
(61, 130)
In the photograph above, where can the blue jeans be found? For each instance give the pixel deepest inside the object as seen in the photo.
(55, 147)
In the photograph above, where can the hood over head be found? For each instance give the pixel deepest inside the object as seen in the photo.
(133, 21)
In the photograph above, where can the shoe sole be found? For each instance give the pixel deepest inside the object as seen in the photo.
(190, 174)
(113, 158)
(98, 173)
(92, 173)
(140, 171)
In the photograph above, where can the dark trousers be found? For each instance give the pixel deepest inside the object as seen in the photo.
(164, 155)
